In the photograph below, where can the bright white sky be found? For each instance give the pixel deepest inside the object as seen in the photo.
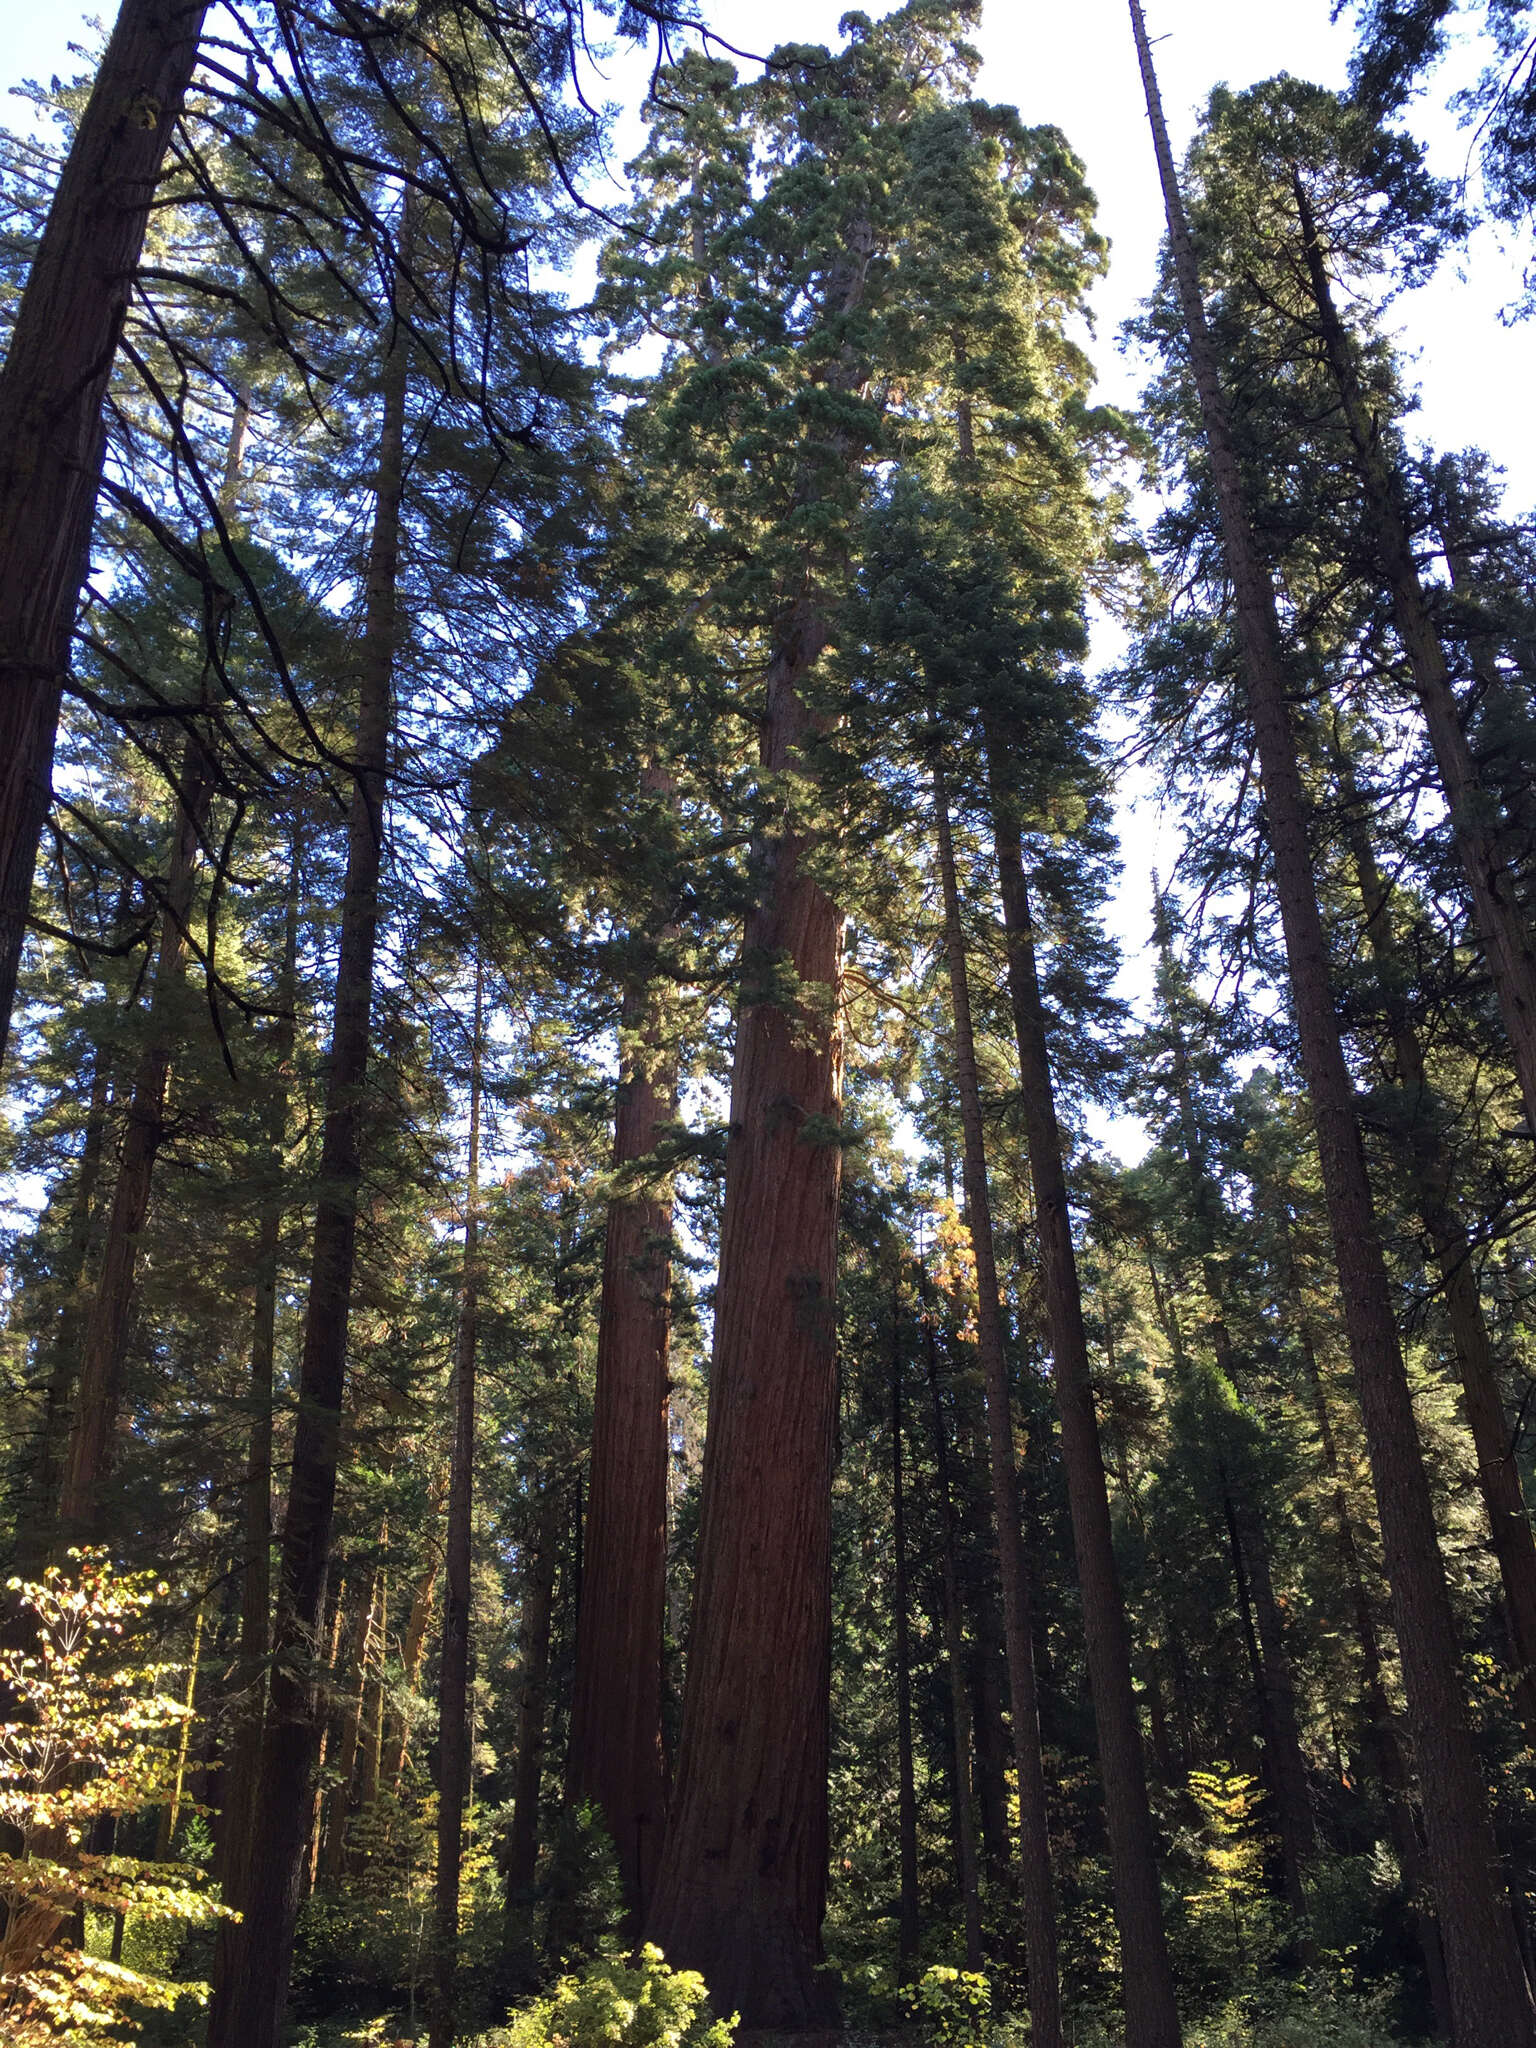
(1074, 65)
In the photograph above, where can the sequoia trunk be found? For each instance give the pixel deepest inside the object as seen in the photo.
(742, 1885)
(616, 1756)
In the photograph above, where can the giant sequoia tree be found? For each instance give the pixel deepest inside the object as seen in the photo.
(563, 1002)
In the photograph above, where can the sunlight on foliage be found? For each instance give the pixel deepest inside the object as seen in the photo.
(86, 1743)
(620, 2005)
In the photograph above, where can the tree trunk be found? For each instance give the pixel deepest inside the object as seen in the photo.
(908, 1930)
(237, 1822)
(742, 1886)
(1037, 1886)
(38, 1507)
(538, 1597)
(1151, 2012)
(52, 385)
(1383, 1748)
(248, 2003)
(98, 1391)
(1490, 862)
(1433, 1177)
(615, 1756)
(1489, 1993)
(954, 1650)
(412, 1653)
(333, 1852)
(453, 1751)
(1284, 1768)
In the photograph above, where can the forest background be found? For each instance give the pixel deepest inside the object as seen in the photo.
(1149, 1675)
(1463, 354)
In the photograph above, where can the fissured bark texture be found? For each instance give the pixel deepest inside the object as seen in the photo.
(742, 1886)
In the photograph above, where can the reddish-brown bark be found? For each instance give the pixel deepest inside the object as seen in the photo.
(742, 1885)
(52, 385)
(1490, 1996)
(615, 1756)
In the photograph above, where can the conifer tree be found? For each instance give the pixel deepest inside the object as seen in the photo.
(1489, 1994)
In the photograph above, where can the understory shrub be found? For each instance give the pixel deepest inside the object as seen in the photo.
(615, 2004)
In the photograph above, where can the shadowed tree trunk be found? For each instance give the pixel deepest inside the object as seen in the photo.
(1489, 854)
(38, 1507)
(52, 385)
(453, 1752)
(238, 1814)
(954, 1648)
(742, 1886)
(1384, 1751)
(533, 1634)
(908, 1930)
(249, 2002)
(412, 1653)
(98, 1390)
(1433, 1179)
(1490, 1997)
(1151, 2012)
(349, 1733)
(1037, 1887)
(615, 1756)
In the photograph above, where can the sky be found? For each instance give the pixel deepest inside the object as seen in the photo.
(1072, 62)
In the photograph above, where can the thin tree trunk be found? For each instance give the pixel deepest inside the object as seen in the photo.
(1489, 1993)
(412, 1654)
(52, 385)
(538, 1596)
(1284, 1767)
(39, 1505)
(249, 2002)
(333, 1852)
(908, 1930)
(1498, 1472)
(1384, 1750)
(238, 1818)
(98, 1392)
(453, 1751)
(1151, 2011)
(615, 1756)
(1037, 1886)
(742, 1887)
(1489, 861)
(954, 1649)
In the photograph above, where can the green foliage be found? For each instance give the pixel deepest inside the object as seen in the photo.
(82, 1749)
(614, 2004)
(953, 2007)
(1228, 1899)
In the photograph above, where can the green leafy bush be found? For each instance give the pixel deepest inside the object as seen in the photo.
(611, 2004)
(953, 2007)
